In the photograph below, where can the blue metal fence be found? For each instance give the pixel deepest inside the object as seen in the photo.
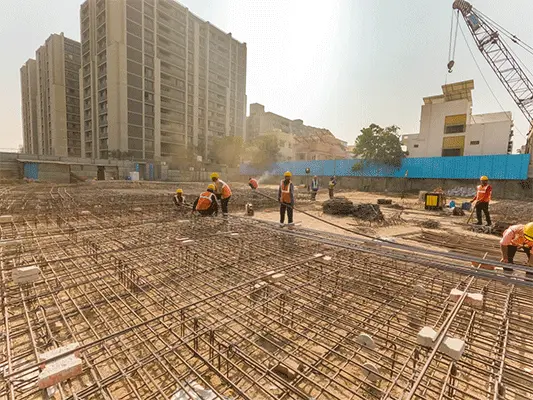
(31, 171)
(512, 167)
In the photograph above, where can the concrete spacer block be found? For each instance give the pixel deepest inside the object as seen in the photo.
(419, 290)
(57, 352)
(137, 209)
(85, 212)
(452, 347)
(277, 277)
(187, 242)
(6, 219)
(23, 271)
(455, 294)
(326, 259)
(318, 255)
(59, 371)
(366, 340)
(289, 368)
(475, 300)
(25, 277)
(371, 371)
(234, 234)
(426, 336)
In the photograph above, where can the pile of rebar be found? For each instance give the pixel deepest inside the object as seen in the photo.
(160, 305)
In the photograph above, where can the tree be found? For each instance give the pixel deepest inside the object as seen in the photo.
(264, 151)
(228, 150)
(378, 145)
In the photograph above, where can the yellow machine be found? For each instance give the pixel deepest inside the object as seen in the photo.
(434, 201)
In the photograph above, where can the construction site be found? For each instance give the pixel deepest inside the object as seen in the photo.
(110, 292)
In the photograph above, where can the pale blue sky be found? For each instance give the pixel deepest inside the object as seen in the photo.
(337, 64)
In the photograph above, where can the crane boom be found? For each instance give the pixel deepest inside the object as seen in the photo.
(501, 60)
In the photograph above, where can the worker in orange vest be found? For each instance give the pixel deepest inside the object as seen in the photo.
(206, 204)
(222, 191)
(286, 198)
(253, 183)
(515, 237)
(482, 199)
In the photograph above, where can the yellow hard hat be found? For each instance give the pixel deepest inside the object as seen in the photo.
(210, 187)
(179, 191)
(528, 231)
(215, 175)
(287, 174)
(484, 178)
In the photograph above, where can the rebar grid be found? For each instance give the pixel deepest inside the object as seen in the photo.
(153, 312)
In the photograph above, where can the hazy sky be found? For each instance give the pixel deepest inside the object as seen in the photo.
(337, 64)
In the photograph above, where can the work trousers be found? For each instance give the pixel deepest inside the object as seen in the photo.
(288, 208)
(224, 204)
(207, 213)
(331, 193)
(511, 252)
(483, 207)
(313, 194)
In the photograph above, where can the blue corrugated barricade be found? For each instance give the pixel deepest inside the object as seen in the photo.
(505, 166)
(31, 171)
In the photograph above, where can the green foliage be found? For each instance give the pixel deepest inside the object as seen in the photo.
(378, 145)
(264, 151)
(228, 150)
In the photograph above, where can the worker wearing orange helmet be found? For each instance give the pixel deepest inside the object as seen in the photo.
(206, 204)
(515, 237)
(482, 199)
(286, 198)
(222, 191)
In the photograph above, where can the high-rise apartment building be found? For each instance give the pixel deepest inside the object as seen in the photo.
(58, 97)
(28, 80)
(158, 83)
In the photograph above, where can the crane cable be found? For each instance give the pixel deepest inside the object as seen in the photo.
(451, 48)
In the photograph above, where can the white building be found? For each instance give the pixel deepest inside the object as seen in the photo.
(448, 128)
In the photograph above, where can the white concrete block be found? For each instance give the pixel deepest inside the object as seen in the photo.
(277, 277)
(26, 274)
(270, 273)
(30, 270)
(452, 347)
(234, 234)
(426, 336)
(59, 371)
(85, 212)
(57, 352)
(259, 285)
(326, 259)
(455, 294)
(366, 341)
(371, 371)
(137, 209)
(474, 300)
(187, 242)
(318, 255)
(6, 219)
(419, 290)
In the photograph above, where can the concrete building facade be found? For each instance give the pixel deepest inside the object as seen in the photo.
(159, 83)
(448, 127)
(28, 80)
(58, 97)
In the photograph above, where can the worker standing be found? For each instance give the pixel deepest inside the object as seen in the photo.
(253, 183)
(206, 204)
(314, 187)
(331, 186)
(179, 199)
(515, 237)
(286, 198)
(222, 191)
(482, 199)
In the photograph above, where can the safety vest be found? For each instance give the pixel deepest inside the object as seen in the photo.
(254, 183)
(223, 189)
(286, 192)
(314, 184)
(205, 201)
(331, 184)
(179, 200)
(483, 193)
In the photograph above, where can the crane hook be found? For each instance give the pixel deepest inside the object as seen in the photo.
(450, 66)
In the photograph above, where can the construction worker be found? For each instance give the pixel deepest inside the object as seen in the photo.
(179, 198)
(331, 186)
(314, 187)
(482, 199)
(222, 191)
(286, 198)
(253, 183)
(206, 204)
(515, 237)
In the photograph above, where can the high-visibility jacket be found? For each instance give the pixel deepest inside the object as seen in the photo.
(179, 200)
(484, 194)
(222, 188)
(514, 236)
(314, 184)
(285, 192)
(204, 201)
(253, 183)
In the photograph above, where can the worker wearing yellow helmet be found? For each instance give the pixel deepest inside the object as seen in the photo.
(482, 198)
(206, 204)
(222, 191)
(515, 237)
(286, 198)
(179, 198)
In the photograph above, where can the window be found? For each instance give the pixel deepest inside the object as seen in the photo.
(474, 142)
(452, 152)
(455, 123)
(415, 146)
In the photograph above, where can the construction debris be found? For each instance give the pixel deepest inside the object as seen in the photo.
(338, 206)
(368, 212)
(430, 224)
(462, 191)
